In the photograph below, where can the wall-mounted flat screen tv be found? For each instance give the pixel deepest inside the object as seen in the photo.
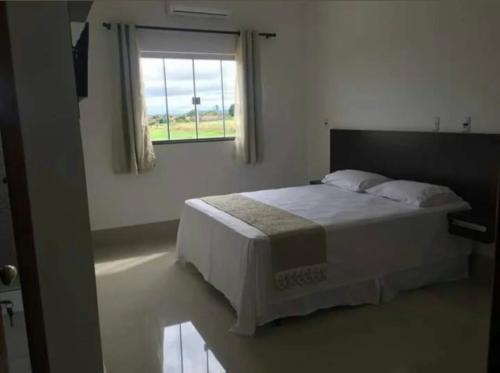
(80, 58)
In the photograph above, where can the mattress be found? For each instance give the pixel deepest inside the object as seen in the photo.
(375, 248)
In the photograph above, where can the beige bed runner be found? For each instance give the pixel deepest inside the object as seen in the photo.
(298, 245)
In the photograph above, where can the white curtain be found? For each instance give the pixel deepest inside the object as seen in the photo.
(247, 108)
(132, 147)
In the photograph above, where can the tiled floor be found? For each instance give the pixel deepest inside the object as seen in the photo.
(159, 316)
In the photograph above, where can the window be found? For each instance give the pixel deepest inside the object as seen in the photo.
(189, 99)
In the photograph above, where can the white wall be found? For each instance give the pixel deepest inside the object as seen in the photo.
(357, 64)
(397, 65)
(193, 170)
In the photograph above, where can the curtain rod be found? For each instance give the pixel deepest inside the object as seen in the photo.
(267, 35)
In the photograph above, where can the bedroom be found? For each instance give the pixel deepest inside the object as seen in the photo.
(407, 90)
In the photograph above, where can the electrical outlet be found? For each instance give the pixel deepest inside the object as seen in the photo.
(467, 124)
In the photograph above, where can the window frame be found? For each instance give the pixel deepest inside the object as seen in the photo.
(192, 56)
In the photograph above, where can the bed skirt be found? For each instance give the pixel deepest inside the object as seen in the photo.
(370, 292)
(375, 291)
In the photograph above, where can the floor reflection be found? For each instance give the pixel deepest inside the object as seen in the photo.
(185, 351)
(121, 265)
(437, 329)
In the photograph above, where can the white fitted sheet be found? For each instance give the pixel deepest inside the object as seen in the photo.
(369, 241)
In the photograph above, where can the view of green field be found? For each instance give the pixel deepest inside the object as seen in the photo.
(187, 130)
(189, 99)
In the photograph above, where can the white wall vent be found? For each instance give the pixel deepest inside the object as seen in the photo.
(196, 11)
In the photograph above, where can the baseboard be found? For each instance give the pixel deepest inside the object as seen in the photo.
(115, 236)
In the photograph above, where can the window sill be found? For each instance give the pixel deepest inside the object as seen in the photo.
(188, 141)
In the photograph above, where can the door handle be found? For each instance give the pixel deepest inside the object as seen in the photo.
(8, 274)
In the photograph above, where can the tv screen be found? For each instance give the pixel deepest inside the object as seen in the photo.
(80, 58)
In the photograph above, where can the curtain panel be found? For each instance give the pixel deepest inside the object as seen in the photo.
(133, 150)
(248, 98)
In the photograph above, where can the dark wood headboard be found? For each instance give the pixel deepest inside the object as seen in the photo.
(467, 163)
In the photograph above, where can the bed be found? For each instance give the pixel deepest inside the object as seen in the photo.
(375, 247)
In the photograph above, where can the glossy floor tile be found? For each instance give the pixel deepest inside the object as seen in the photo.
(185, 350)
(159, 316)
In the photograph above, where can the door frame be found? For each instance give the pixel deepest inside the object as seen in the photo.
(15, 168)
(494, 346)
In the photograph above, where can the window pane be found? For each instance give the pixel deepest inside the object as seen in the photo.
(154, 92)
(180, 92)
(229, 78)
(209, 90)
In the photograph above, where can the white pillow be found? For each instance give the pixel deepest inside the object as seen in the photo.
(415, 193)
(357, 181)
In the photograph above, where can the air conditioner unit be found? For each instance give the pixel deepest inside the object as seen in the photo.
(197, 11)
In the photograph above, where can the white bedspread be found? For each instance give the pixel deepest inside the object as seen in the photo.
(375, 247)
